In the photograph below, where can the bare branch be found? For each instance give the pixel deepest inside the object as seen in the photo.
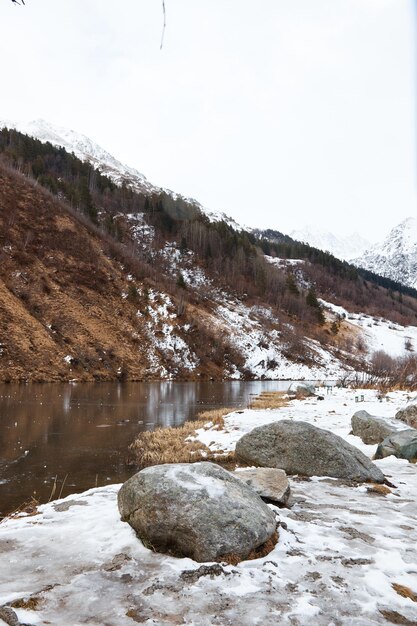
(165, 23)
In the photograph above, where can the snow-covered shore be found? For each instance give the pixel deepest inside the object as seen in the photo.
(340, 549)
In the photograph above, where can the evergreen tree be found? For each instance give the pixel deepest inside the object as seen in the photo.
(181, 282)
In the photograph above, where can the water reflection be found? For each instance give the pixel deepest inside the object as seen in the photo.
(83, 431)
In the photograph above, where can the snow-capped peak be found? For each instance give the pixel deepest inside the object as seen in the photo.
(396, 256)
(346, 248)
(407, 233)
(83, 148)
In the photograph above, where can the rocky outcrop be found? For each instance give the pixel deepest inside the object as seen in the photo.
(196, 510)
(268, 482)
(371, 429)
(402, 444)
(408, 414)
(301, 448)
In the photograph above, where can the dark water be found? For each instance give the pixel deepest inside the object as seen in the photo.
(82, 432)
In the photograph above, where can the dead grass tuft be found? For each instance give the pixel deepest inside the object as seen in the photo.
(380, 490)
(396, 618)
(215, 415)
(269, 400)
(27, 509)
(171, 445)
(29, 604)
(258, 553)
(405, 592)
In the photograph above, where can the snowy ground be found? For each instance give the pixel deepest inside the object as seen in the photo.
(262, 348)
(278, 262)
(339, 552)
(379, 333)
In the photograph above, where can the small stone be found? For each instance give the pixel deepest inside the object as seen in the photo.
(268, 482)
(408, 414)
(9, 616)
(192, 575)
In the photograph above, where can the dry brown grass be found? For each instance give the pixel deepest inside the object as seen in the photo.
(215, 415)
(269, 400)
(170, 445)
(380, 490)
(257, 553)
(396, 618)
(405, 592)
(27, 509)
(29, 604)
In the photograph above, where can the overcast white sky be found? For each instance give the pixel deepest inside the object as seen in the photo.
(278, 112)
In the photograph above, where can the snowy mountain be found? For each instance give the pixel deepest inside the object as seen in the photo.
(191, 300)
(396, 256)
(345, 248)
(83, 148)
(87, 150)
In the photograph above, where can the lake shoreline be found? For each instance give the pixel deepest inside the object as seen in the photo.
(333, 563)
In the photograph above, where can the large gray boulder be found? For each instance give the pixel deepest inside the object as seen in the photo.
(372, 429)
(402, 444)
(302, 389)
(408, 414)
(301, 448)
(197, 510)
(268, 482)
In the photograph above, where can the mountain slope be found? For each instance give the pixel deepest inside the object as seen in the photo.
(74, 304)
(60, 294)
(87, 150)
(110, 282)
(396, 256)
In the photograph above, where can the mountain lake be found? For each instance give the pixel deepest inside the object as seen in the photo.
(76, 436)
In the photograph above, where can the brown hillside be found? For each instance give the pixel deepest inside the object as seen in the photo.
(61, 295)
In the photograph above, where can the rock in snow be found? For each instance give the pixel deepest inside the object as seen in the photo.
(197, 510)
(8, 616)
(402, 445)
(268, 482)
(301, 448)
(371, 429)
(302, 389)
(408, 414)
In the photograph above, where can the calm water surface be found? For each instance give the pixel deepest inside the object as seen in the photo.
(82, 432)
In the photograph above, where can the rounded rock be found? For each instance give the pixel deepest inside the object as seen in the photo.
(301, 448)
(195, 510)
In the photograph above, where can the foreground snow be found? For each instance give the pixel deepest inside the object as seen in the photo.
(340, 550)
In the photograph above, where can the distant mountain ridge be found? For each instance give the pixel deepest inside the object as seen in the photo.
(345, 248)
(396, 256)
